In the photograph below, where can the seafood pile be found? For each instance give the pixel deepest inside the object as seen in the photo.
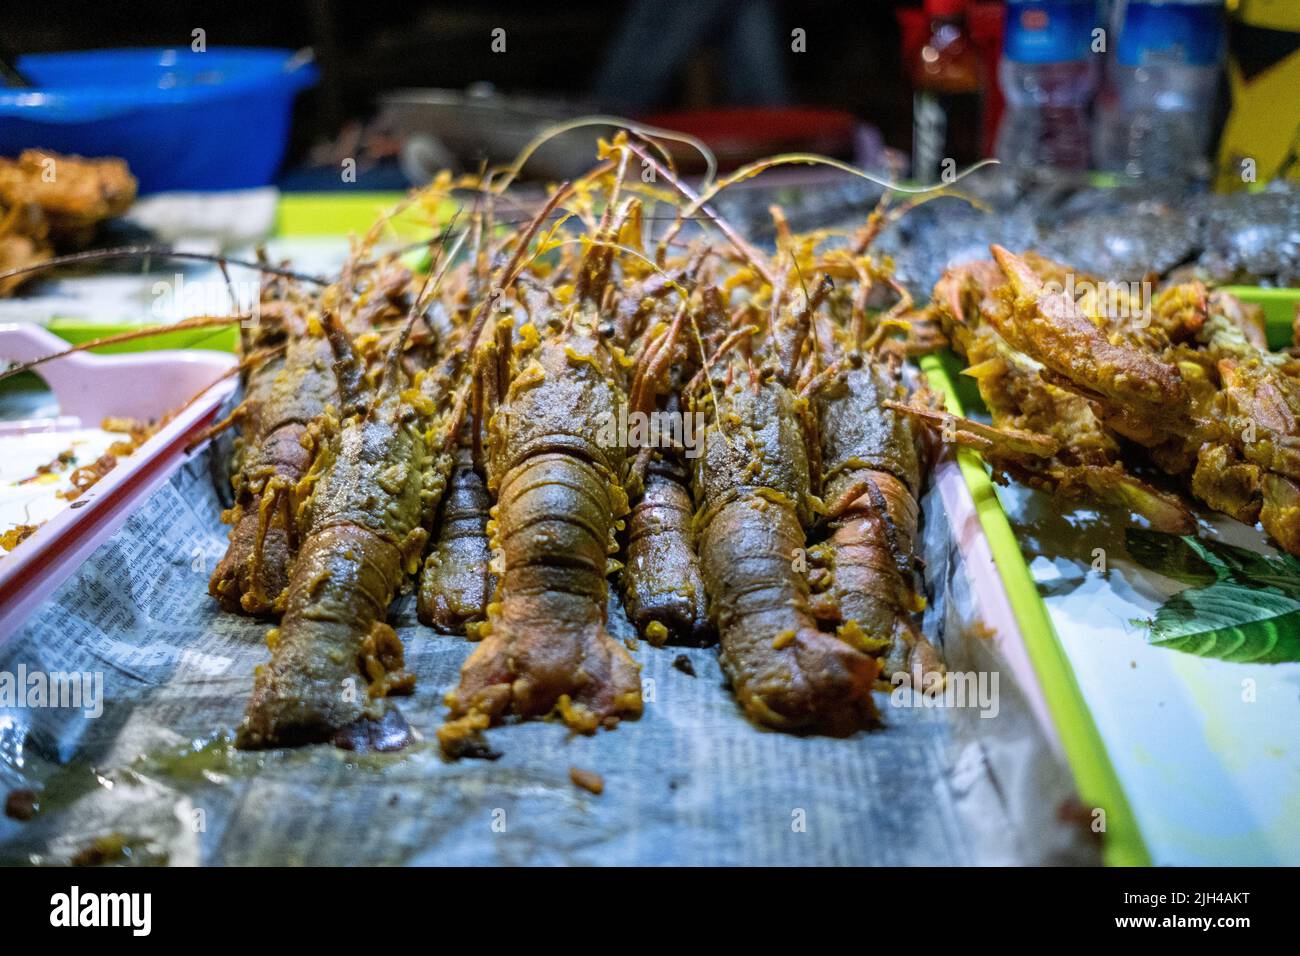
(565, 411)
(1175, 382)
(50, 202)
(558, 405)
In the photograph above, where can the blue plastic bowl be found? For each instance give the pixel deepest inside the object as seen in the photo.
(182, 120)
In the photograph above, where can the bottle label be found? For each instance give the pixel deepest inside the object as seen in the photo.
(1049, 31)
(1171, 34)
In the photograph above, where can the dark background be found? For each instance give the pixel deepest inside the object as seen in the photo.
(363, 47)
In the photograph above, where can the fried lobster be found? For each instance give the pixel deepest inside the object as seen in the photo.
(1184, 377)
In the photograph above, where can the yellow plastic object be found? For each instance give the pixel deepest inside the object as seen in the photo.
(1260, 141)
(344, 213)
(75, 332)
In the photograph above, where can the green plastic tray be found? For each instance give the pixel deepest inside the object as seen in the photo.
(299, 215)
(1094, 773)
(1279, 307)
(76, 332)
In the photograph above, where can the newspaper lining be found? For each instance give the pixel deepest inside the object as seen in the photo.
(690, 783)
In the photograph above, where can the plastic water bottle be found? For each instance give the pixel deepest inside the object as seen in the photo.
(1155, 114)
(1048, 74)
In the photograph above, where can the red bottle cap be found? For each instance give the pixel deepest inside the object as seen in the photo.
(945, 8)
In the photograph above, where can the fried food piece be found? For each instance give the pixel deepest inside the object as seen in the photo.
(75, 194)
(24, 241)
(136, 434)
(49, 202)
(588, 780)
(1052, 328)
(17, 535)
(1201, 396)
(973, 303)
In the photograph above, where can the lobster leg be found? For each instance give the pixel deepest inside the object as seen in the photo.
(456, 582)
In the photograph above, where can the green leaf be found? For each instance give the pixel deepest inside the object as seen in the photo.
(1230, 622)
(1252, 569)
(1171, 555)
(1241, 606)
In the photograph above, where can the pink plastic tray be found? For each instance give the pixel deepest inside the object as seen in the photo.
(89, 388)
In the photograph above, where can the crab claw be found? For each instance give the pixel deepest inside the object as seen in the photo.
(1050, 327)
(1270, 404)
(1165, 513)
(948, 291)
(1018, 272)
(962, 289)
(981, 437)
(1280, 515)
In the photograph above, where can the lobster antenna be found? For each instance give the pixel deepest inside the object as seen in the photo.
(438, 269)
(480, 228)
(812, 159)
(195, 322)
(516, 264)
(747, 252)
(440, 266)
(145, 252)
(595, 258)
(249, 361)
(511, 272)
(230, 286)
(641, 129)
